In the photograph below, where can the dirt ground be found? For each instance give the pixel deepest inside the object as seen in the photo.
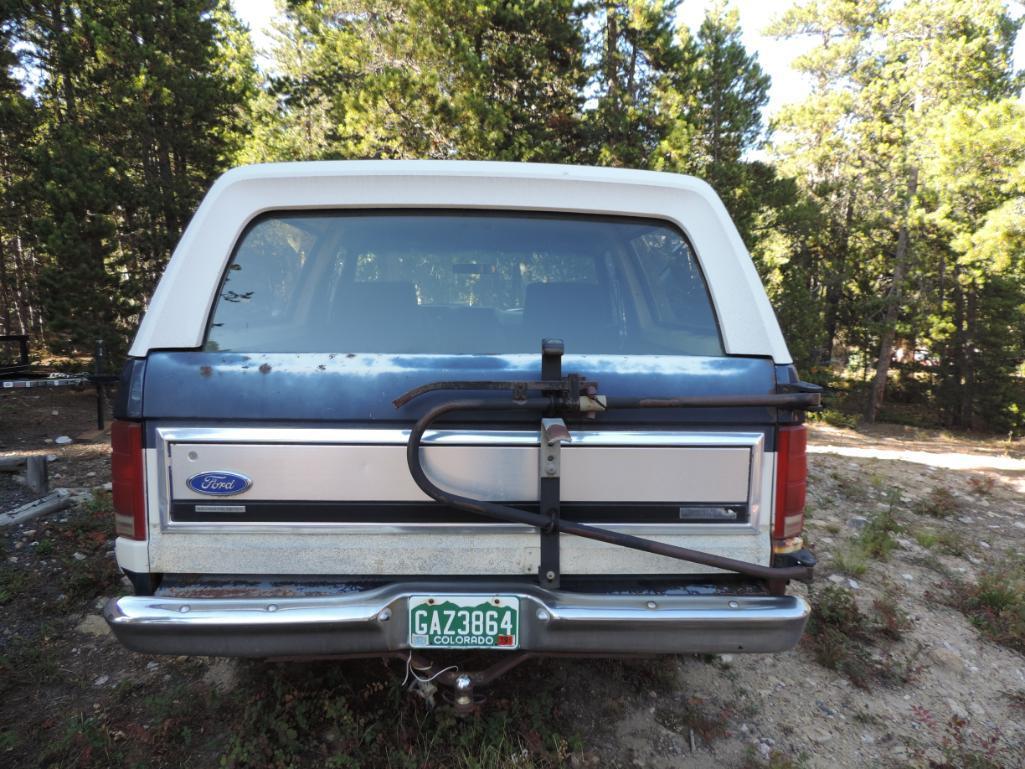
(905, 523)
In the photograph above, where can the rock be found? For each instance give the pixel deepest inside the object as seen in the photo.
(956, 708)
(908, 577)
(857, 522)
(62, 440)
(93, 625)
(1019, 525)
(837, 579)
(151, 666)
(78, 556)
(977, 709)
(853, 584)
(108, 486)
(947, 657)
(726, 659)
(222, 674)
(818, 735)
(984, 545)
(101, 680)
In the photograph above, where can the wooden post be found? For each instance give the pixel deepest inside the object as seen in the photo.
(36, 474)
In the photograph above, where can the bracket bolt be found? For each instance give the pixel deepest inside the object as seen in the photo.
(550, 576)
(384, 615)
(543, 615)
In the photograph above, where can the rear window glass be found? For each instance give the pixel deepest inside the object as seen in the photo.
(462, 282)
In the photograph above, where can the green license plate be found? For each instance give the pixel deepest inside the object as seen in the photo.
(464, 622)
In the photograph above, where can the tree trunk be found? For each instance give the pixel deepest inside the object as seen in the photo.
(893, 299)
(967, 406)
(835, 282)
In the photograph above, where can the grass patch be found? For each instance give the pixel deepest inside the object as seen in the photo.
(995, 604)
(938, 503)
(361, 716)
(12, 582)
(835, 418)
(874, 543)
(843, 638)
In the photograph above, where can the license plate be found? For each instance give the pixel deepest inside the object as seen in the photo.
(464, 622)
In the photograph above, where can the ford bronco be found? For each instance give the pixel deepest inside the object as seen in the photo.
(390, 407)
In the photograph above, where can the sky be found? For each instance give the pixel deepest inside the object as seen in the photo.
(755, 15)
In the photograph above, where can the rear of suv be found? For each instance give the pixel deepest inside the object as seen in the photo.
(389, 407)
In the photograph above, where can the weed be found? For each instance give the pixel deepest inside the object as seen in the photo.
(101, 502)
(938, 503)
(877, 537)
(836, 633)
(893, 620)
(927, 538)
(875, 543)
(851, 488)
(44, 548)
(962, 745)
(952, 543)
(1016, 699)
(708, 720)
(776, 759)
(982, 484)
(836, 418)
(12, 582)
(995, 604)
(851, 560)
(842, 637)
(900, 668)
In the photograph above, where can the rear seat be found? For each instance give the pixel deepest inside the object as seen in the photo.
(578, 313)
(379, 316)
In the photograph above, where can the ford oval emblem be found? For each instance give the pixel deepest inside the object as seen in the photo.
(219, 484)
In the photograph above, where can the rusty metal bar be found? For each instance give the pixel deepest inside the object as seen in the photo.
(513, 515)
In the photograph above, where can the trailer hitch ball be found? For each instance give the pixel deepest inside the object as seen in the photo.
(464, 693)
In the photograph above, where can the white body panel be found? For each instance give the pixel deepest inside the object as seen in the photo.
(178, 312)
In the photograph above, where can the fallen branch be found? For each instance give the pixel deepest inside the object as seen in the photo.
(14, 462)
(55, 500)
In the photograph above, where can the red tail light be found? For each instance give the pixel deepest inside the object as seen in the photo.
(791, 481)
(127, 479)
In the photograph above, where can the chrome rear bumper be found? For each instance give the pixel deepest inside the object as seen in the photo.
(376, 621)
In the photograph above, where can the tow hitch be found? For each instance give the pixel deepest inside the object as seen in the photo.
(556, 396)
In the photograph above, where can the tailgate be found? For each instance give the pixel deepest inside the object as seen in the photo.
(329, 491)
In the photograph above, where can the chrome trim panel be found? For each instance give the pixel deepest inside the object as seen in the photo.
(375, 621)
(367, 478)
(392, 436)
